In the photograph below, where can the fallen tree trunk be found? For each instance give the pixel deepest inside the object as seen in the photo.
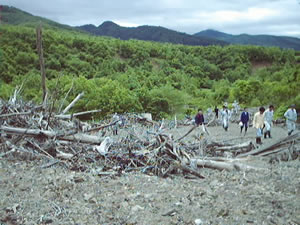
(247, 145)
(103, 126)
(69, 116)
(187, 169)
(51, 134)
(270, 147)
(230, 166)
(15, 114)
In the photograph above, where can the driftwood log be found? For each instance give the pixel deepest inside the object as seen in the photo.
(269, 148)
(80, 137)
(219, 165)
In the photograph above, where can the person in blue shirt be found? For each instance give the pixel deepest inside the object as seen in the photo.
(244, 120)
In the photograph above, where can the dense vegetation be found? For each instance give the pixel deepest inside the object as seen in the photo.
(141, 76)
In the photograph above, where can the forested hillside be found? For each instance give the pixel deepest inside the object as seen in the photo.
(244, 39)
(14, 16)
(149, 33)
(141, 76)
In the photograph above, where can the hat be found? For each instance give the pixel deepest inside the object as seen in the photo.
(293, 106)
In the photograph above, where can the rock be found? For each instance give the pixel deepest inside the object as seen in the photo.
(198, 222)
(136, 208)
(88, 196)
(78, 179)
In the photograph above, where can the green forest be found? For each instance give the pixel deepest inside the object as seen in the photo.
(143, 76)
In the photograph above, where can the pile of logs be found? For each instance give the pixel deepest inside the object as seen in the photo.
(29, 131)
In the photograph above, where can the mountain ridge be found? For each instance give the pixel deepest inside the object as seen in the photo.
(148, 33)
(248, 39)
(15, 16)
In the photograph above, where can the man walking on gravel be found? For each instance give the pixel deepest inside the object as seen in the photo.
(268, 117)
(225, 114)
(244, 120)
(291, 118)
(258, 123)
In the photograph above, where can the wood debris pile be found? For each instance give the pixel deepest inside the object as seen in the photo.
(29, 131)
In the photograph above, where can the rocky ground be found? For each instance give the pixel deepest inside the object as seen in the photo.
(33, 194)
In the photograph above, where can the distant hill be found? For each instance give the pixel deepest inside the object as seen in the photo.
(149, 33)
(14, 16)
(246, 39)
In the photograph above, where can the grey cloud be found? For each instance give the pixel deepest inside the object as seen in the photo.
(180, 15)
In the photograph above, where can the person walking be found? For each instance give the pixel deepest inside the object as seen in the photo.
(116, 120)
(217, 112)
(225, 117)
(268, 120)
(199, 118)
(291, 118)
(244, 120)
(258, 123)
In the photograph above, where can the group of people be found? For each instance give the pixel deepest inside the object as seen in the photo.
(262, 120)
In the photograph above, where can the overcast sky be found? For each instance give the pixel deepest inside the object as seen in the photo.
(274, 17)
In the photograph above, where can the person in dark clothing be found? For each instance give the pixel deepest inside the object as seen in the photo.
(244, 120)
(217, 112)
(199, 118)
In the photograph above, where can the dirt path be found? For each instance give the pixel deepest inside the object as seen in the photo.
(30, 194)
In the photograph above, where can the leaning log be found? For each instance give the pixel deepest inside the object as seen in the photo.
(270, 147)
(72, 103)
(187, 133)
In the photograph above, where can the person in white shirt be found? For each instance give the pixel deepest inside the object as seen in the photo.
(268, 120)
(291, 118)
(116, 120)
(225, 114)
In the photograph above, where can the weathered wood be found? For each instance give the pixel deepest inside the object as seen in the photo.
(7, 153)
(103, 126)
(271, 146)
(248, 145)
(63, 101)
(15, 114)
(187, 169)
(81, 137)
(63, 155)
(187, 133)
(41, 59)
(72, 103)
(103, 148)
(69, 116)
(230, 166)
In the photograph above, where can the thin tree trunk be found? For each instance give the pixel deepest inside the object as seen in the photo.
(41, 59)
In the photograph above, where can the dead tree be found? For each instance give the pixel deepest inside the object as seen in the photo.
(41, 59)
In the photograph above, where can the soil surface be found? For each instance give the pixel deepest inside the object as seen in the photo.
(32, 194)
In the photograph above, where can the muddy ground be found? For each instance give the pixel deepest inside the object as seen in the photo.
(32, 194)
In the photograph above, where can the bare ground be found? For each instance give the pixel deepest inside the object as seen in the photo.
(31, 194)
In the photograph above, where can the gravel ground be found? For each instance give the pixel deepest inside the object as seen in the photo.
(30, 194)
